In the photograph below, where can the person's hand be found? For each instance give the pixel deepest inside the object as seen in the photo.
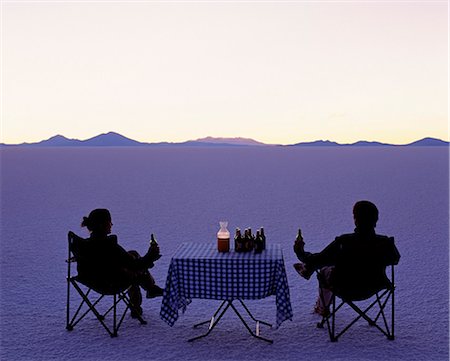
(154, 252)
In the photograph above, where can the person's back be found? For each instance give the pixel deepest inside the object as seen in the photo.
(360, 268)
(99, 262)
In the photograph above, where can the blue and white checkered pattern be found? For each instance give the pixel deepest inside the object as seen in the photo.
(200, 271)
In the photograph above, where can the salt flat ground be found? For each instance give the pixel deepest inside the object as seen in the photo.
(180, 194)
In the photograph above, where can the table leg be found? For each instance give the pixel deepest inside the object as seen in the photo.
(214, 321)
(251, 316)
(248, 328)
(211, 321)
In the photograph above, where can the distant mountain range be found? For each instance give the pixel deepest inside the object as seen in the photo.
(425, 142)
(112, 139)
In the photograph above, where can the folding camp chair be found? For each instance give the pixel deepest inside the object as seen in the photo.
(94, 297)
(371, 309)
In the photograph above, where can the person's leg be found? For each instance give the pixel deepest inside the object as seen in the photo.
(325, 293)
(145, 280)
(134, 293)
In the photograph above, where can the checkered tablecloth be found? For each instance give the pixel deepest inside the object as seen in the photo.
(199, 271)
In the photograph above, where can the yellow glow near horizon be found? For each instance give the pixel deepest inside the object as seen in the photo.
(276, 72)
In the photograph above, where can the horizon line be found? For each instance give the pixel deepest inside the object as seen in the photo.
(245, 141)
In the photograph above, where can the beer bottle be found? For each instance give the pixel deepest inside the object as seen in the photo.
(154, 243)
(257, 246)
(238, 241)
(153, 240)
(251, 238)
(263, 239)
(299, 236)
(246, 246)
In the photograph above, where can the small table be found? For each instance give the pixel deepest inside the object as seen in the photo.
(199, 271)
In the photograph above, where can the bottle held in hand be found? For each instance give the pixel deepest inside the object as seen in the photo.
(299, 243)
(299, 236)
(153, 240)
(299, 248)
(154, 247)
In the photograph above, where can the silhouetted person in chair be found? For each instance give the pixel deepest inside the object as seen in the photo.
(352, 265)
(108, 266)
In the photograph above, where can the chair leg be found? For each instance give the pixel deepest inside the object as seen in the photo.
(392, 336)
(363, 314)
(393, 313)
(380, 300)
(92, 308)
(388, 294)
(115, 317)
(75, 318)
(382, 305)
(69, 327)
(382, 313)
(333, 337)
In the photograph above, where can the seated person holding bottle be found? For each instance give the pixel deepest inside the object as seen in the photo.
(353, 264)
(109, 266)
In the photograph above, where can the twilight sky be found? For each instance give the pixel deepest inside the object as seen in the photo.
(279, 72)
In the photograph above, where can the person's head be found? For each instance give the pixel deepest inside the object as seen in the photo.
(98, 221)
(365, 214)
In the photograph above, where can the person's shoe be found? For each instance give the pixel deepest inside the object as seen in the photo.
(155, 291)
(302, 271)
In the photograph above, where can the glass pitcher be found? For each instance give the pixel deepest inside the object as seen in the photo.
(223, 238)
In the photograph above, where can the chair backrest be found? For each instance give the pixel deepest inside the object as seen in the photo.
(75, 246)
(77, 253)
(361, 267)
(88, 270)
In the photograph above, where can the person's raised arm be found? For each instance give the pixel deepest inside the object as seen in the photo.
(128, 261)
(313, 261)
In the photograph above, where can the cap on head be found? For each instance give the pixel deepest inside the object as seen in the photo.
(365, 214)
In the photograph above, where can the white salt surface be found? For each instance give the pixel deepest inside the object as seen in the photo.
(180, 195)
